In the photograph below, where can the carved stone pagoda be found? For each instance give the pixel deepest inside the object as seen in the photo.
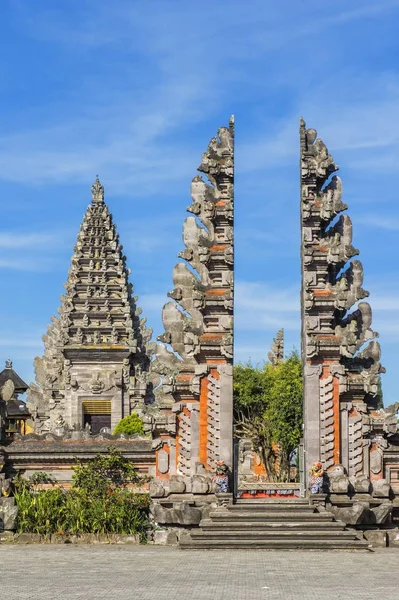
(342, 421)
(95, 365)
(276, 354)
(194, 382)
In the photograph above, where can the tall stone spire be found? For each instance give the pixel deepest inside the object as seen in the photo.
(276, 354)
(98, 346)
(194, 382)
(340, 353)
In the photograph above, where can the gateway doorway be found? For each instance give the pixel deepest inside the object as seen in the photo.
(97, 414)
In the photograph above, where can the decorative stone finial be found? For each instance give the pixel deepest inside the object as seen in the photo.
(97, 192)
(276, 356)
(9, 363)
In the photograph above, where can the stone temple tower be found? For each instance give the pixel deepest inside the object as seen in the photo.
(95, 364)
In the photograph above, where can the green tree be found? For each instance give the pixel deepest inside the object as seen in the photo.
(130, 425)
(251, 386)
(268, 410)
(284, 412)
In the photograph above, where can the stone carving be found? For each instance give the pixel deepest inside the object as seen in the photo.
(327, 422)
(213, 413)
(85, 339)
(8, 514)
(60, 426)
(276, 354)
(188, 374)
(75, 433)
(355, 449)
(184, 428)
(96, 385)
(163, 461)
(335, 337)
(7, 391)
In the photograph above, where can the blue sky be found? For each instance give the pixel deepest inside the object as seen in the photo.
(133, 91)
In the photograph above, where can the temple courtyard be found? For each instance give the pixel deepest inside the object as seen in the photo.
(147, 572)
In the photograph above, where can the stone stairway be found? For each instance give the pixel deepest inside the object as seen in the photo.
(272, 525)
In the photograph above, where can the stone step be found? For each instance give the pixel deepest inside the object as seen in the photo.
(268, 516)
(208, 524)
(263, 501)
(272, 507)
(245, 535)
(272, 526)
(274, 544)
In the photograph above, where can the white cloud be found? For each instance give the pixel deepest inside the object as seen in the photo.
(260, 306)
(18, 342)
(378, 221)
(39, 264)
(120, 131)
(17, 240)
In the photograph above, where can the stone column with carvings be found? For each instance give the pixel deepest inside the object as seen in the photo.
(341, 358)
(194, 383)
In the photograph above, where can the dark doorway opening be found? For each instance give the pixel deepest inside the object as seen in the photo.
(97, 422)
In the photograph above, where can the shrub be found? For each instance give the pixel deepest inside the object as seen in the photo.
(101, 500)
(130, 425)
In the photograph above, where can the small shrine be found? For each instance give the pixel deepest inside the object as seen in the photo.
(14, 414)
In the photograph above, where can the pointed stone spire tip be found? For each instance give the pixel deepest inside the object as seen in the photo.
(97, 192)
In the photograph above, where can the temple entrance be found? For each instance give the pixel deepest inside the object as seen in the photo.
(268, 420)
(97, 415)
(251, 481)
(97, 422)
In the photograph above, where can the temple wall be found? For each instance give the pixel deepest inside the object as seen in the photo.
(56, 454)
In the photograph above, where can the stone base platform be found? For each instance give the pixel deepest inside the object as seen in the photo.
(282, 524)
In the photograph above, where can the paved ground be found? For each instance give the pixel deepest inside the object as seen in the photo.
(152, 573)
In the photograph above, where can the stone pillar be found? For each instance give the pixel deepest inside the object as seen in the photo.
(339, 353)
(197, 377)
(311, 416)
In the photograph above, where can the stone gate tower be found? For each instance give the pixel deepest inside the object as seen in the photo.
(193, 383)
(95, 365)
(341, 356)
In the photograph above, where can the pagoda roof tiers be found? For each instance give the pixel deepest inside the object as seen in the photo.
(99, 322)
(8, 373)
